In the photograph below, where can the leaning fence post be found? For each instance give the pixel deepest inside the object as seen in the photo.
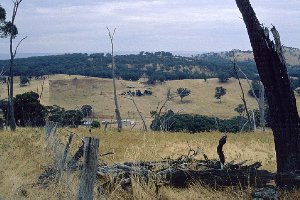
(89, 170)
(62, 162)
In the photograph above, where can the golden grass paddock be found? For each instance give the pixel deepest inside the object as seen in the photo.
(71, 92)
(23, 158)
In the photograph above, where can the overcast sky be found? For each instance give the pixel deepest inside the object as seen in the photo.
(66, 26)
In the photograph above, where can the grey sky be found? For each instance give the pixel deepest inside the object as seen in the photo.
(62, 26)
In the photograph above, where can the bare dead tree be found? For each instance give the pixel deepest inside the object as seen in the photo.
(13, 52)
(272, 70)
(260, 100)
(242, 90)
(261, 105)
(117, 111)
(131, 98)
(163, 120)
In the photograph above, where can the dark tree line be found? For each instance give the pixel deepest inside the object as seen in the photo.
(158, 66)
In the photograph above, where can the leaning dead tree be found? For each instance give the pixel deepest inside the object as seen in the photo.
(13, 52)
(117, 111)
(251, 123)
(272, 70)
(260, 99)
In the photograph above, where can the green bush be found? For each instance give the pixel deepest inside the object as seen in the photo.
(95, 124)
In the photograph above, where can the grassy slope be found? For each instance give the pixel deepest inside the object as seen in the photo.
(71, 94)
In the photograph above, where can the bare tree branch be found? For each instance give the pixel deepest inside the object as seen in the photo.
(16, 49)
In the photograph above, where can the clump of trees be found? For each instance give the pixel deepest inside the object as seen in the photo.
(30, 112)
(175, 122)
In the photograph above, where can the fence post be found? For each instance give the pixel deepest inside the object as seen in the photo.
(89, 170)
(62, 163)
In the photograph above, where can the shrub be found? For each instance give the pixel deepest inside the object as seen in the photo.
(95, 124)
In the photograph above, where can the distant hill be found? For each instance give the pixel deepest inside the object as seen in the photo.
(156, 66)
(292, 55)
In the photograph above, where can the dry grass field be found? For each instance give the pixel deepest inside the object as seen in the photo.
(72, 92)
(23, 158)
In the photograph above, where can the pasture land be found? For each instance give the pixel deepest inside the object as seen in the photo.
(71, 92)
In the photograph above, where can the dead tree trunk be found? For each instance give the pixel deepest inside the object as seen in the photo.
(13, 52)
(282, 103)
(88, 173)
(261, 105)
(117, 111)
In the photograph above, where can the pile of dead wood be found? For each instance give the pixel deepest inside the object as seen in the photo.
(186, 170)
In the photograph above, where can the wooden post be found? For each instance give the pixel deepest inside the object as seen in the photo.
(88, 173)
(73, 162)
(48, 128)
(220, 152)
(62, 162)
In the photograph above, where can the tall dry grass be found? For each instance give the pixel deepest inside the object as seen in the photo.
(23, 158)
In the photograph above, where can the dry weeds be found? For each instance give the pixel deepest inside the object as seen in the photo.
(23, 158)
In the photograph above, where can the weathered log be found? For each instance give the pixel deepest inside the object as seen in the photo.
(184, 174)
(269, 192)
(217, 178)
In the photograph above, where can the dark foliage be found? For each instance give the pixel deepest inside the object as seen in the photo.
(86, 110)
(64, 117)
(95, 124)
(223, 77)
(173, 122)
(28, 110)
(158, 66)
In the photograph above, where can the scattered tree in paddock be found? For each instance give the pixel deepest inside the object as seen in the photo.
(219, 92)
(24, 80)
(87, 110)
(183, 92)
(240, 109)
(223, 77)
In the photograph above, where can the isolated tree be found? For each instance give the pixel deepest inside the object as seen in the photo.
(223, 77)
(272, 70)
(87, 110)
(219, 92)
(24, 80)
(183, 92)
(117, 111)
(240, 109)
